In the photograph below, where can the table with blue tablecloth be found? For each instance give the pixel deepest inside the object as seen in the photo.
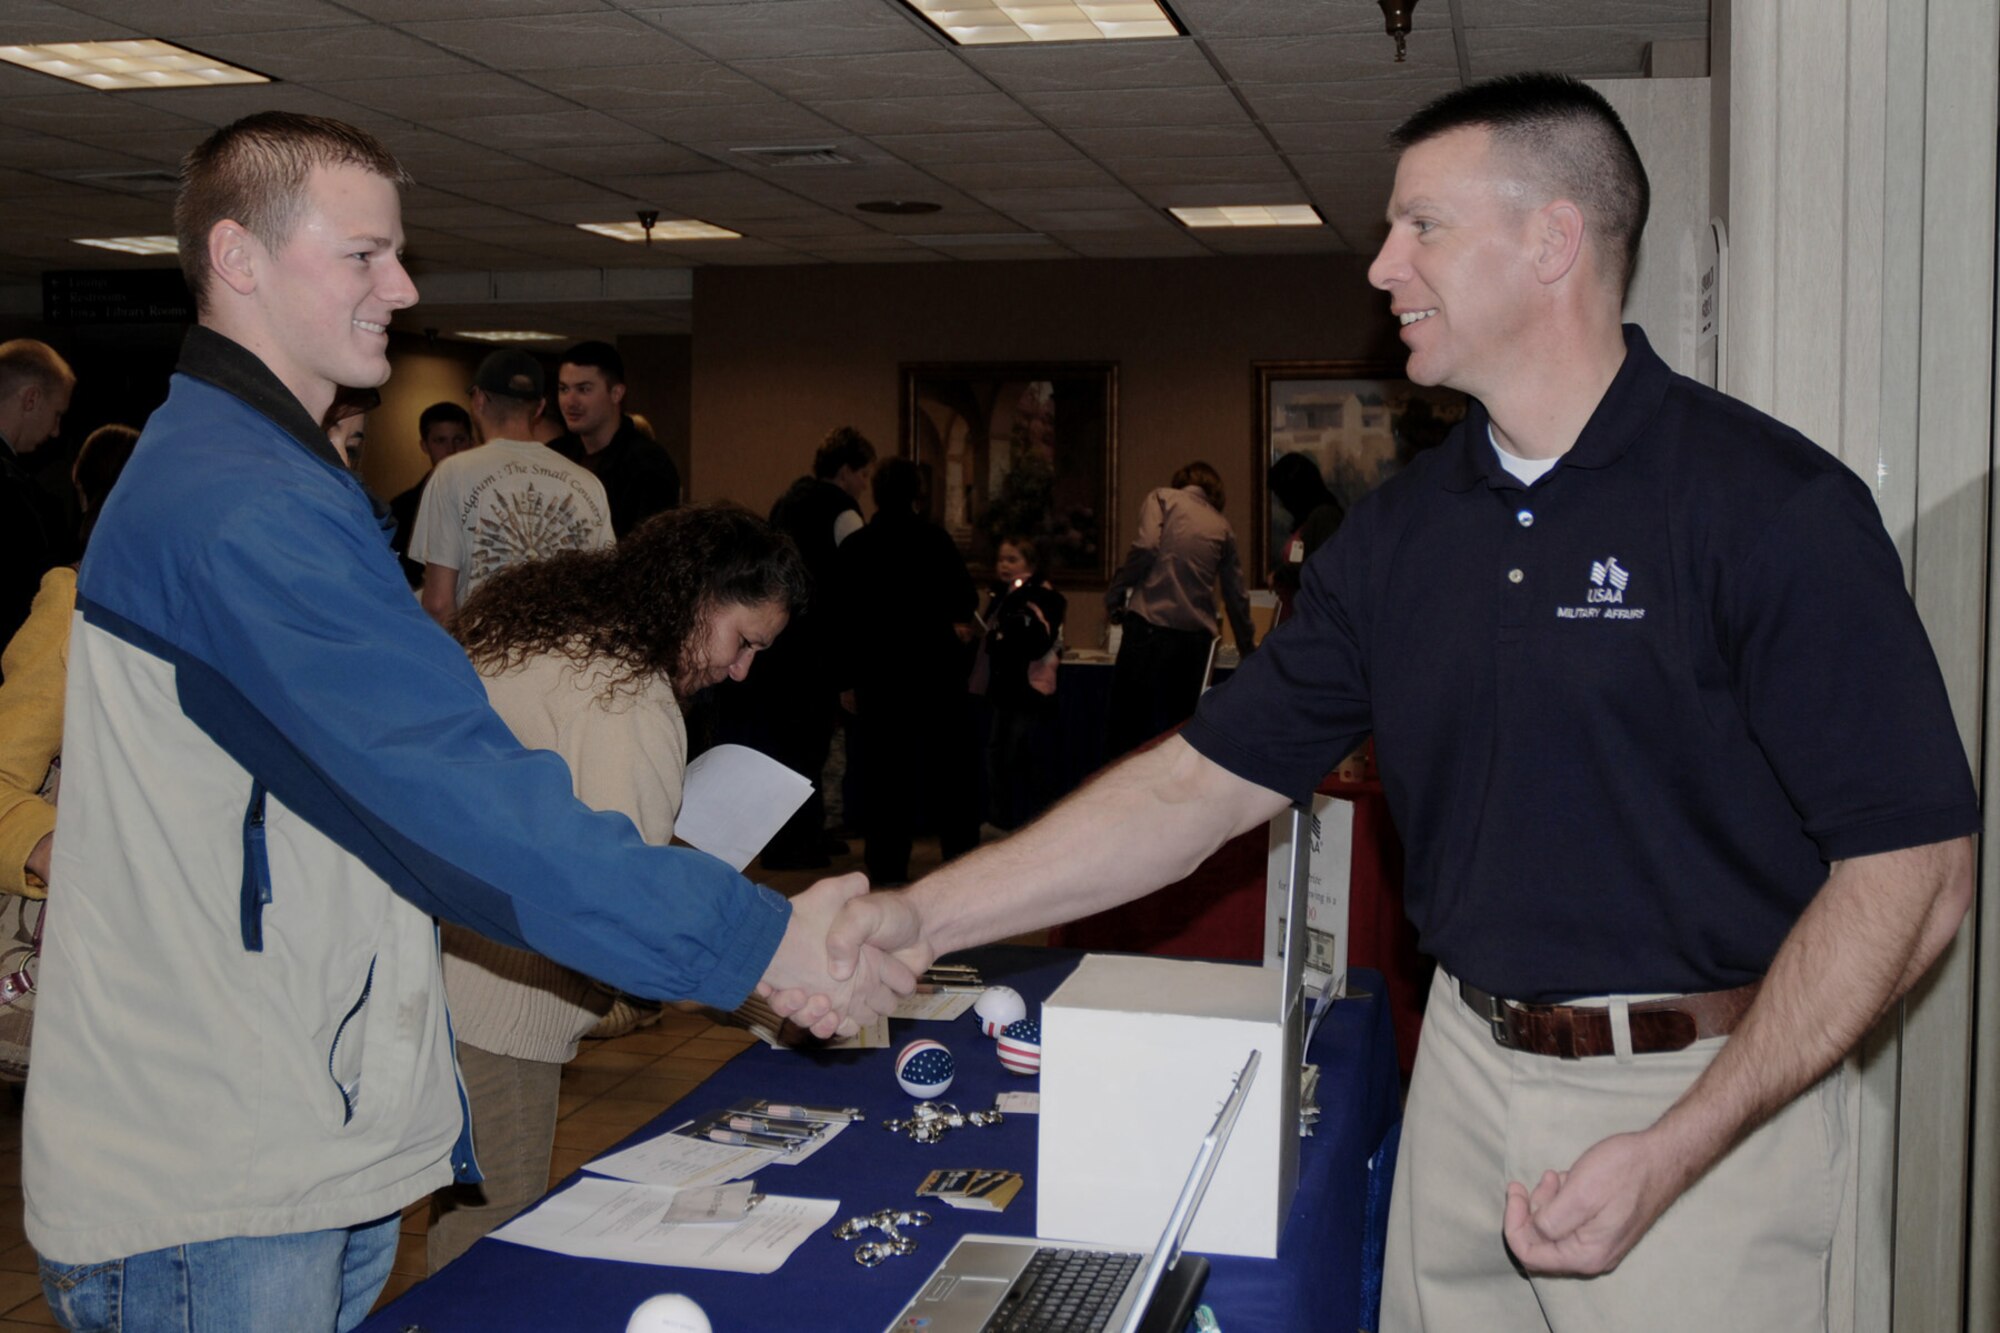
(1317, 1281)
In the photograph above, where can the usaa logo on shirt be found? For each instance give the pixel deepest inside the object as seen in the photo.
(1604, 595)
(1608, 580)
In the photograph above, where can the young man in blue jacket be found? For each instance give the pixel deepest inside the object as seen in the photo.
(277, 770)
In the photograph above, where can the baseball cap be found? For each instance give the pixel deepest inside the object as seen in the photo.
(511, 373)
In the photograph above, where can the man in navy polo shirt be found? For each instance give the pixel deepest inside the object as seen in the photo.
(1685, 806)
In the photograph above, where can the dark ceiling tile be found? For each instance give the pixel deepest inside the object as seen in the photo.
(1129, 108)
(580, 41)
(823, 78)
(974, 112)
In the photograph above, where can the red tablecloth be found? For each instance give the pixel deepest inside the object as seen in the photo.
(1218, 912)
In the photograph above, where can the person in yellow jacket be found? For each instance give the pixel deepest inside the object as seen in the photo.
(33, 672)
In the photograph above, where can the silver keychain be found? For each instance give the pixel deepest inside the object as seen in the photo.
(928, 1121)
(889, 1221)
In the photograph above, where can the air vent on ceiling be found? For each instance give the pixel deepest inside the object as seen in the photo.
(144, 180)
(811, 155)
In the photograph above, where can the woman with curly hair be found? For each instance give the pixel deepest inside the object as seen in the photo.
(590, 654)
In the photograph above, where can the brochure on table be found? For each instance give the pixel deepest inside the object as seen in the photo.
(1329, 869)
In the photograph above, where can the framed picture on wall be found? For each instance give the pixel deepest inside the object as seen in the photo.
(1024, 448)
(1358, 421)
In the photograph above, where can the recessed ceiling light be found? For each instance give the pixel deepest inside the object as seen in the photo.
(985, 22)
(508, 336)
(900, 207)
(685, 229)
(139, 63)
(1250, 215)
(132, 245)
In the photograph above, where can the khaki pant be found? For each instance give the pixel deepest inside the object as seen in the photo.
(514, 1133)
(1748, 1247)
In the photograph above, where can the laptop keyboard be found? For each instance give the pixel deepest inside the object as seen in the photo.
(1065, 1291)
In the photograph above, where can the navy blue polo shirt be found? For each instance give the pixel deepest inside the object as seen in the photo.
(1625, 716)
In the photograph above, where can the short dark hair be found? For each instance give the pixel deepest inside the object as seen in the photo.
(349, 402)
(1203, 475)
(1033, 546)
(843, 446)
(1569, 134)
(437, 414)
(598, 355)
(99, 459)
(897, 486)
(255, 170)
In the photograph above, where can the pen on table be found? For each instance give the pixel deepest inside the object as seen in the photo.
(791, 1129)
(801, 1111)
(949, 988)
(737, 1138)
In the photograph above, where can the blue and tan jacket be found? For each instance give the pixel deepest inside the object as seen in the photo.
(277, 770)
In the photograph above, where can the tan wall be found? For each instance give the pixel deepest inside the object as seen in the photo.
(419, 375)
(657, 386)
(780, 355)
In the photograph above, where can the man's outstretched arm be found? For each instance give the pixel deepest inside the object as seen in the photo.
(1875, 927)
(1146, 822)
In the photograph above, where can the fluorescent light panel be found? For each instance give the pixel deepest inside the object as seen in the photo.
(685, 229)
(1250, 215)
(139, 63)
(508, 335)
(987, 22)
(132, 245)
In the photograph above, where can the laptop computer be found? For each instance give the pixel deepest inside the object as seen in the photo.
(1024, 1284)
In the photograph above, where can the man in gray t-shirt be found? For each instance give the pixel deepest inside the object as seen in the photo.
(507, 501)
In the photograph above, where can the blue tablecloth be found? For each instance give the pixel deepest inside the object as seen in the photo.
(1314, 1283)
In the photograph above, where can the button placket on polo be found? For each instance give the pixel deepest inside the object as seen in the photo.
(1522, 577)
(1523, 580)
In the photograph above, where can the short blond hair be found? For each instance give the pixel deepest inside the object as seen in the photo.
(255, 171)
(30, 361)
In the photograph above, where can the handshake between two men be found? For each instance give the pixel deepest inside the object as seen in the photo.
(1149, 820)
(847, 957)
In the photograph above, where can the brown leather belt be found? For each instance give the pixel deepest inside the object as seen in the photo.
(1575, 1032)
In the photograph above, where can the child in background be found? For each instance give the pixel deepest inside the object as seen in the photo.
(1023, 641)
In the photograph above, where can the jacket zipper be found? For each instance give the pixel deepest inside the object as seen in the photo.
(348, 1090)
(256, 871)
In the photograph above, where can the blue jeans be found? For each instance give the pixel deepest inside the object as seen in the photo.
(313, 1280)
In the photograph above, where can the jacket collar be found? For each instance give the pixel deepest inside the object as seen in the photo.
(1621, 417)
(218, 360)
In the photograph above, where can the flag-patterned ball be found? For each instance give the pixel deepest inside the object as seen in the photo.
(925, 1068)
(1021, 1046)
(998, 1006)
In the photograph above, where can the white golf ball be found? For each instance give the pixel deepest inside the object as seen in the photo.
(671, 1313)
(997, 1007)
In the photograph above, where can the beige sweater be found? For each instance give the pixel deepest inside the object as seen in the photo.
(626, 753)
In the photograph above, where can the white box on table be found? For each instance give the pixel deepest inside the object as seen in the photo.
(1137, 1054)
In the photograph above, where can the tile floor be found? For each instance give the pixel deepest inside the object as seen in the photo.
(609, 1090)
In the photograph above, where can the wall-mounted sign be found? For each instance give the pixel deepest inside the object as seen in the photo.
(116, 296)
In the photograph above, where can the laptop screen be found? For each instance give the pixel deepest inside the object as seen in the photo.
(1168, 1251)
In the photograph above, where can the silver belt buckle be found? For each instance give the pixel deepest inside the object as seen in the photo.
(1489, 1007)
